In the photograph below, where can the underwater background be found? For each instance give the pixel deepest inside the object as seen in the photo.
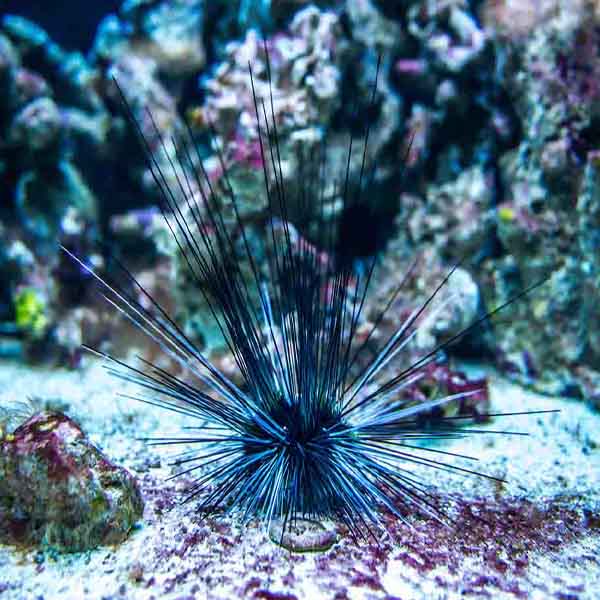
(484, 149)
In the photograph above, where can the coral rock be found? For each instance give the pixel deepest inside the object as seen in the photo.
(56, 488)
(170, 33)
(37, 126)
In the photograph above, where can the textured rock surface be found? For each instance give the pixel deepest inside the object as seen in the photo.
(514, 216)
(58, 490)
(168, 33)
(547, 223)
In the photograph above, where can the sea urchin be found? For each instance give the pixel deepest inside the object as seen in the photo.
(310, 433)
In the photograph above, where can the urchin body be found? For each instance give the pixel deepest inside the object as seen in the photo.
(298, 458)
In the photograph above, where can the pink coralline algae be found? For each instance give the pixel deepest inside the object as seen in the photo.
(440, 379)
(59, 490)
(304, 72)
(491, 545)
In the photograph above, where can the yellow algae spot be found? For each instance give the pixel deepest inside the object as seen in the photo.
(506, 214)
(48, 426)
(30, 311)
(540, 309)
(196, 117)
(9, 437)
(594, 159)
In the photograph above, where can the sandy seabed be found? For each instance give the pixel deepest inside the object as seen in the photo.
(538, 536)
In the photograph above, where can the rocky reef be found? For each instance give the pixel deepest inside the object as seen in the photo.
(483, 141)
(52, 120)
(548, 220)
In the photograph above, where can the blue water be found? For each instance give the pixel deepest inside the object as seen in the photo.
(70, 23)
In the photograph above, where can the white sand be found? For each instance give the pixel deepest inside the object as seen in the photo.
(178, 555)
